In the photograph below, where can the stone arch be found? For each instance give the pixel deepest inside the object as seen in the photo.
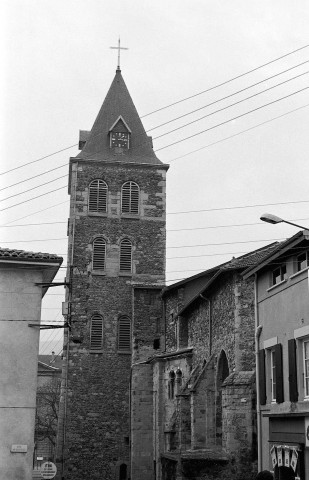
(222, 373)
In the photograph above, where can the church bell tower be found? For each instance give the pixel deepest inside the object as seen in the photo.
(116, 246)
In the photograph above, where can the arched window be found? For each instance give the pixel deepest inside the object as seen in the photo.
(171, 385)
(130, 198)
(97, 201)
(125, 256)
(96, 333)
(99, 254)
(124, 334)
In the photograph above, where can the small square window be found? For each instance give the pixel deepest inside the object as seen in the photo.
(279, 274)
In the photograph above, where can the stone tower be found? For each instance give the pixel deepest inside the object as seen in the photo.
(116, 245)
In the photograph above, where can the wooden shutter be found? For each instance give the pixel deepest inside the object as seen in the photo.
(292, 370)
(262, 376)
(99, 251)
(279, 373)
(124, 334)
(96, 333)
(130, 198)
(125, 256)
(97, 196)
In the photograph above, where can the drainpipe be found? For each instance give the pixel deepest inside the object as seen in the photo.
(210, 321)
(258, 331)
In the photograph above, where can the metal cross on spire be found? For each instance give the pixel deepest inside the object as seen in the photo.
(119, 48)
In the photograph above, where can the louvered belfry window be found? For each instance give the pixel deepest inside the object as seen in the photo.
(96, 333)
(130, 198)
(125, 256)
(99, 254)
(124, 334)
(97, 196)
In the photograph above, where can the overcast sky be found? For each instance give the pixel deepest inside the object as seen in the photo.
(57, 67)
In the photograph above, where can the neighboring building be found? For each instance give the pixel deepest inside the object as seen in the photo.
(116, 254)
(193, 405)
(282, 319)
(21, 292)
(47, 402)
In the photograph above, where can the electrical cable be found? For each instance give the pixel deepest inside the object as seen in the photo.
(226, 82)
(39, 159)
(33, 198)
(231, 119)
(38, 211)
(232, 95)
(33, 188)
(229, 106)
(237, 134)
(179, 101)
(34, 176)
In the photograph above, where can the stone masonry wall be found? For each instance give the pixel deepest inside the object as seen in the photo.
(97, 423)
(142, 423)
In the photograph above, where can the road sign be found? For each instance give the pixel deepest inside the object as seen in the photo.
(48, 470)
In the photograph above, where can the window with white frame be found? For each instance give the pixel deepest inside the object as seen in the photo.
(302, 261)
(279, 274)
(130, 198)
(306, 367)
(273, 375)
(98, 254)
(97, 201)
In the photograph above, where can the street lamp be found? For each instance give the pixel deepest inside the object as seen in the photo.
(269, 218)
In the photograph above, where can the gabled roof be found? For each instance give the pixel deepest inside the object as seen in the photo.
(281, 249)
(118, 103)
(240, 263)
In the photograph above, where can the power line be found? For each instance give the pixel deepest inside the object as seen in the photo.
(34, 176)
(230, 95)
(231, 225)
(237, 207)
(39, 159)
(33, 188)
(226, 82)
(229, 106)
(237, 134)
(33, 198)
(31, 224)
(231, 119)
(227, 243)
(179, 101)
(38, 211)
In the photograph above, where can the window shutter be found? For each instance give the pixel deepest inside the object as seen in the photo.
(99, 250)
(130, 198)
(96, 333)
(279, 373)
(125, 256)
(124, 334)
(262, 377)
(97, 196)
(292, 370)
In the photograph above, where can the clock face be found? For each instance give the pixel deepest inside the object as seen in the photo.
(119, 139)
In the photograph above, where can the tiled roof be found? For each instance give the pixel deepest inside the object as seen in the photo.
(118, 102)
(14, 254)
(251, 258)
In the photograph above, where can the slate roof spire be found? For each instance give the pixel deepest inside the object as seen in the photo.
(96, 143)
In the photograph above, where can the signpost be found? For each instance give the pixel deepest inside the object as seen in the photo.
(48, 470)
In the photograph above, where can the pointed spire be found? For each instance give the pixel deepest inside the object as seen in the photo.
(118, 103)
